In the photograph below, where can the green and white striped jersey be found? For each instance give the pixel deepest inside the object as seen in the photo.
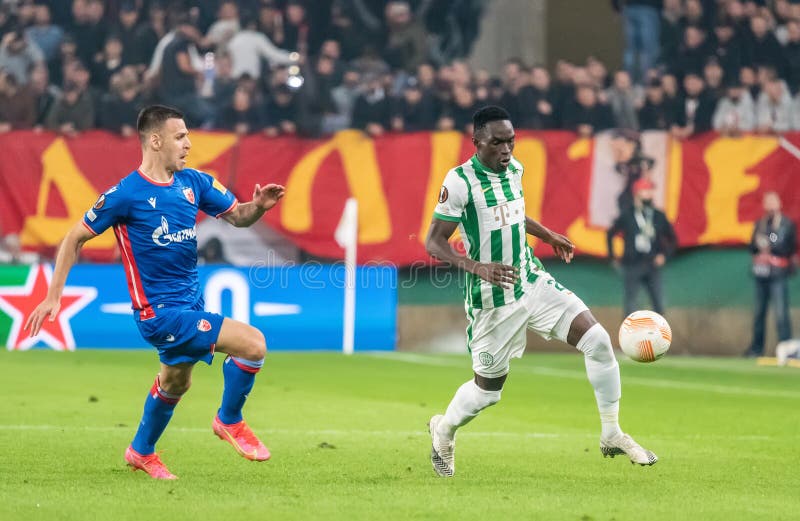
(490, 212)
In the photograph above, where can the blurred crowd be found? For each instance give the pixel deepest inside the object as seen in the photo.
(272, 66)
(314, 67)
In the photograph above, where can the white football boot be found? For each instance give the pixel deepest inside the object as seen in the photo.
(624, 444)
(443, 457)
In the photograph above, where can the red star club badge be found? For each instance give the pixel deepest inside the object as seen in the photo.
(19, 302)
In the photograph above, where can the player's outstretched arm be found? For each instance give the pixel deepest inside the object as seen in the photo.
(67, 255)
(561, 245)
(264, 198)
(438, 246)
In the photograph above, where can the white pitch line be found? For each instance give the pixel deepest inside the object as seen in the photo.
(397, 433)
(661, 383)
(721, 366)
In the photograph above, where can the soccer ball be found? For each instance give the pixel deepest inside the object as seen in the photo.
(645, 336)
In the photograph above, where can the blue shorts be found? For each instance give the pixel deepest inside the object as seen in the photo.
(182, 335)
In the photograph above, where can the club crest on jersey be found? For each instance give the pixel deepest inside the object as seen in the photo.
(100, 202)
(203, 325)
(443, 194)
(189, 194)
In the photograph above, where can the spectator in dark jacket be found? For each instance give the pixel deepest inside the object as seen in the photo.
(67, 54)
(148, 34)
(458, 113)
(763, 48)
(177, 82)
(240, 115)
(728, 48)
(44, 93)
(657, 113)
(72, 113)
(537, 101)
(120, 107)
(125, 29)
(695, 109)
(586, 115)
(415, 110)
(791, 55)
(693, 53)
(281, 113)
(90, 29)
(372, 111)
(107, 63)
(671, 30)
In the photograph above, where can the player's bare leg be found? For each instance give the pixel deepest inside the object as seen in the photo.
(246, 349)
(171, 383)
(593, 341)
(470, 399)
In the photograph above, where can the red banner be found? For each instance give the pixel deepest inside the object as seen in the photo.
(710, 187)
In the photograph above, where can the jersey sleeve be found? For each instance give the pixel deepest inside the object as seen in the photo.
(453, 198)
(215, 199)
(109, 209)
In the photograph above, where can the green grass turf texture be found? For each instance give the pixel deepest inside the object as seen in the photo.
(349, 441)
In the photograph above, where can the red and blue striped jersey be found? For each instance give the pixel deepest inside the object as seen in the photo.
(155, 226)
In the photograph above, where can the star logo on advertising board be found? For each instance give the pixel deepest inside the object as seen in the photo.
(18, 302)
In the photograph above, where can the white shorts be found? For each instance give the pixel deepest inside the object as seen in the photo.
(497, 335)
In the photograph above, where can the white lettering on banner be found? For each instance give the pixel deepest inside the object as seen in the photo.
(239, 288)
(162, 237)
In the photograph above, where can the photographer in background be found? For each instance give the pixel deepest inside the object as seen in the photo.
(649, 240)
(773, 245)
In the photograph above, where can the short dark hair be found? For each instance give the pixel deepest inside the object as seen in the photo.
(487, 115)
(154, 117)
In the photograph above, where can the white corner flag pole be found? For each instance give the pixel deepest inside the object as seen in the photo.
(347, 236)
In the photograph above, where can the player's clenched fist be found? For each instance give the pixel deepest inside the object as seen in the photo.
(498, 274)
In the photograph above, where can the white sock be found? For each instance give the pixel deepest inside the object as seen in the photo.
(468, 401)
(603, 372)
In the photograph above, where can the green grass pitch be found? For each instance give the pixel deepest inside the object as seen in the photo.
(348, 441)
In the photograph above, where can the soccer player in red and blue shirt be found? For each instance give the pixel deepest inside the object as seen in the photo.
(153, 212)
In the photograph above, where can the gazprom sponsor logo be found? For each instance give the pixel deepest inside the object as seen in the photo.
(163, 237)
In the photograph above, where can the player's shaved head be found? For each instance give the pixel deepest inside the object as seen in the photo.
(151, 119)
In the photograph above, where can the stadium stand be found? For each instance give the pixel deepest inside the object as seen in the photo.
(278, 67)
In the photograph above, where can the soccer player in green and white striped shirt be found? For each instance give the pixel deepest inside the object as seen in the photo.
(508, 291)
